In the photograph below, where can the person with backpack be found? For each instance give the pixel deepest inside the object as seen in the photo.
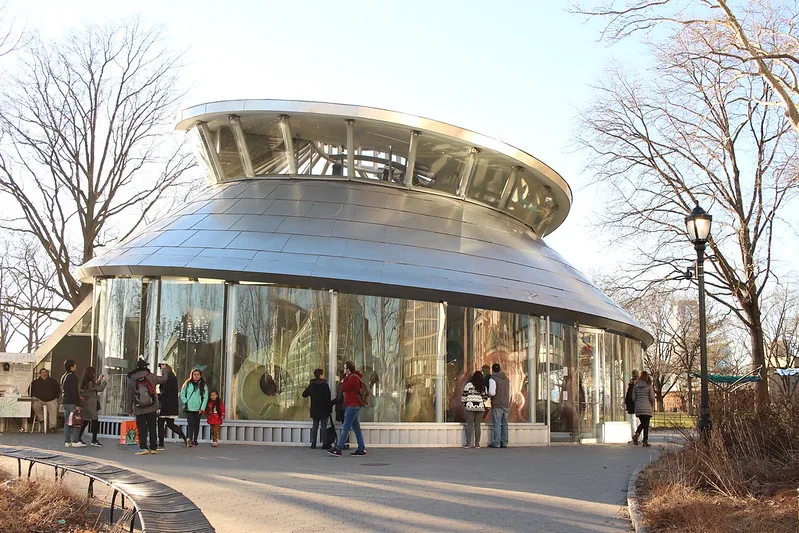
(629, 401)
(168, 401)
(319, 392)
(142, 402)
(194, 397)
(70, 402)
(356, 395)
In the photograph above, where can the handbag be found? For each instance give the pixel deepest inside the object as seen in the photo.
(76, 418)
(330, 433)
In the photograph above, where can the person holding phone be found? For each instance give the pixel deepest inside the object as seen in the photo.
(90, 390)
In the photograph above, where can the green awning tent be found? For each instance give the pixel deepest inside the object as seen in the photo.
(730, 383)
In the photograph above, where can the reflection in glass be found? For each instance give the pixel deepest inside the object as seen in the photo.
(189, 331)
(490, 174)
(533, 203)
(278, 336)
(564, 380)
(439, 163)
(116, 349)
(393, 343)
(496, 337)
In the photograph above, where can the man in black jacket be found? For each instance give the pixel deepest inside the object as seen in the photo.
(70, 400)
(319, 391)
(45, 392)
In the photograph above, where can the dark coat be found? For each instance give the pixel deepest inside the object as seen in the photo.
(319, 391)
(69, 389)
(168, 397)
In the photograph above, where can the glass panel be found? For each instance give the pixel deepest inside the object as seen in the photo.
(497, 337)
(265, 143)
(278, 336)
(532, 203)
(564, 381)
(84, 324)
(490, 175)
(229, 158)
(189, 331)
(439, 163)
(152, 289)
(541, 374)
(117, 348)
(592, 383)
(393, 343)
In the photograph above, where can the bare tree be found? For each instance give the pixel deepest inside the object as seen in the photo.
(782, 337)
(757, 39)
(87, 154)
(697, 131)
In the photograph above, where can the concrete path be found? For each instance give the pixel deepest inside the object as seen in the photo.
(563, 488)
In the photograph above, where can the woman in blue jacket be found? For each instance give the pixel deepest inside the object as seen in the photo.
(194, 397)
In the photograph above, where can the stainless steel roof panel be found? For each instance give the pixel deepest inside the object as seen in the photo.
(249, 206)
(217, 221)
(288, 192)
(294, 208)
(234, 190)
(254, 240)
(493, 261)
(211, 238)
(258, 223)
(260, 189)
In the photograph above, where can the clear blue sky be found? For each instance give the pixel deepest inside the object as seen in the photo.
(514, 70)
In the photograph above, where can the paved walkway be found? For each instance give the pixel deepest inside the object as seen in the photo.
(563, 488)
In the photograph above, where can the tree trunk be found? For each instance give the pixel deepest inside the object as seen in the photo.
(690, 395)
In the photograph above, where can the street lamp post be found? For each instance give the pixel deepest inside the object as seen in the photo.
(697, 225)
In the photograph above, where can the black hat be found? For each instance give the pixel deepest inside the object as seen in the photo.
(141, 363)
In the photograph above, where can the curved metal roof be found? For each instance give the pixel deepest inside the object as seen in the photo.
(354, 237)
(499, 175)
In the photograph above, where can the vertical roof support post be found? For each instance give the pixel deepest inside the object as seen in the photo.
(350, 148)
(410, 168)
(510, 185)
(468, 172)
(241, 144)
(213, 155)
(291, 158)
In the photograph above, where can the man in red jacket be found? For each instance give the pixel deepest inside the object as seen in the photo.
(350, 387)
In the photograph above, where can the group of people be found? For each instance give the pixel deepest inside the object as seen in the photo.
(640, 402)
(155, 412)
(487, 392)
(154, 401)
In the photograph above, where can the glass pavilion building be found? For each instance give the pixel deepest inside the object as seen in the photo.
(333, 232)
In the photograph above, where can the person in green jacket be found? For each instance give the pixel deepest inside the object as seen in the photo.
(194, 397)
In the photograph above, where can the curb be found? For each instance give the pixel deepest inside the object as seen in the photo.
(633, 503)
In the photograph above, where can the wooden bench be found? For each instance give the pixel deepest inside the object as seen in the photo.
(159, 508)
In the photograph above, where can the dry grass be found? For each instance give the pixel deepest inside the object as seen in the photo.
(38, 506)
(743, 479)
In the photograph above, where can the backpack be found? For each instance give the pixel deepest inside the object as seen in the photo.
(364, 395)
(629, 401)
(144, 393)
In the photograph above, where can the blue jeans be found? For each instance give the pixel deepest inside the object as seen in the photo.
(499, 430)
(70, 434)
(351, 422)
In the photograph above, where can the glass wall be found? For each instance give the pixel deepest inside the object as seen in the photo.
(189, 329)
(393, 342)
(117, 314)
(278, 336)
(508, 339)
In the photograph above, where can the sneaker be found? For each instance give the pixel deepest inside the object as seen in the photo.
(466, 446)
(161, 447)
(194, 443)
(492, 446)
(359, 452)
(153, 452)
(476, 445)
(142, 452)
(97, 444)
(334, 452)
(67, 445)
(79, 444)
(188, 443)
(214, 445)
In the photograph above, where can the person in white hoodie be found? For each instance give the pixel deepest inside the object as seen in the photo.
(644, 396)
